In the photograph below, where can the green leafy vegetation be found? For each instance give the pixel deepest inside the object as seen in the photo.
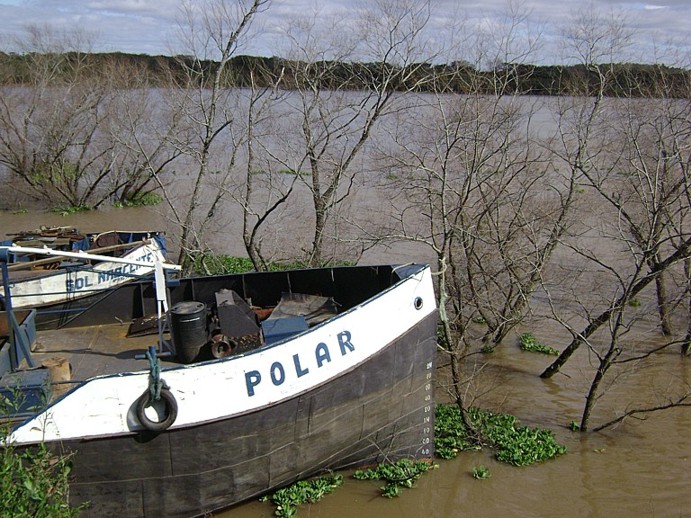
(481, 472)
(398, 476)
(287, 499)
(148, 199)
(450, 435)
(220, 264)
(34, 482)
(529, 343)
(514, 444)
(58, 173)
(210, 264)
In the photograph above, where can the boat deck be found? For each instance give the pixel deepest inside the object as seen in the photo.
(95, 350)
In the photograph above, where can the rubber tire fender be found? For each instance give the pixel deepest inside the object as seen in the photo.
(171, 406)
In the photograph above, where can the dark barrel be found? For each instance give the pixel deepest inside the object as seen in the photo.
(188, 329)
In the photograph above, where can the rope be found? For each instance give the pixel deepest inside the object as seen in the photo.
(155, 381)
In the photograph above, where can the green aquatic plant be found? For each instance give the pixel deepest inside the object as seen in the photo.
(514, 444)
(66, 211)
(528, 342)
(148, 199)
(450, 435)
(481, 472)
(289, 498)
(398, 475)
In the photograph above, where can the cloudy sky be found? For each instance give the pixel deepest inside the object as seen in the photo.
(659, 31)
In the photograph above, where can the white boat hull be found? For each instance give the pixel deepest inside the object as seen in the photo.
(68, 284)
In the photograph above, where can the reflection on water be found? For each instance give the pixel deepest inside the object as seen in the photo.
(639, 468)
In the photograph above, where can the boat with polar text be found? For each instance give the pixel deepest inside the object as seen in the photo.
(59, 287)
(180, 397)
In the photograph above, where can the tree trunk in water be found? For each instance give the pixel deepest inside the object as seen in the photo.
(662, 306)
(315, 259)
(686, 345)
(575, 344)
(592, 394)
(681, 253)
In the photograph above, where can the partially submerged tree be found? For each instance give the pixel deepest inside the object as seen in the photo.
(632, 158)
(642, 183)
(472, 183)
(50, 132)
(143, 129)
(335, 122)
(211, 33)
(72, 137)
(267, 185)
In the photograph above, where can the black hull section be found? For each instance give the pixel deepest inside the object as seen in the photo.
(381, 411)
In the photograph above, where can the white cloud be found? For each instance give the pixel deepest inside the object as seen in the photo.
(145, 26)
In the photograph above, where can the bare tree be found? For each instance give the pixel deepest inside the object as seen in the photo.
(473, 182)
(142, 130)
(654, 218)
(589, 146)
(632, 159)
(51, 138)
(211, 32)
(494, 207)
(336, 122)
(266, 186)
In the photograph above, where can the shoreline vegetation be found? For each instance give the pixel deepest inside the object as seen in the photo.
(628, 79)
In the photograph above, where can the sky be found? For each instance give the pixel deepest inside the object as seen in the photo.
(659, 31)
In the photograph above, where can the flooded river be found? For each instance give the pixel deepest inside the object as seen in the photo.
(639, 468)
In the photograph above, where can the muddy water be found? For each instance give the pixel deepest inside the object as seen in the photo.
(640, 468)
(94, 221)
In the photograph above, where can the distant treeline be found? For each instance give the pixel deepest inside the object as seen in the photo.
(620, 80)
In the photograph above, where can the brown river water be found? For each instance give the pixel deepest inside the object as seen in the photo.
(639, 468)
